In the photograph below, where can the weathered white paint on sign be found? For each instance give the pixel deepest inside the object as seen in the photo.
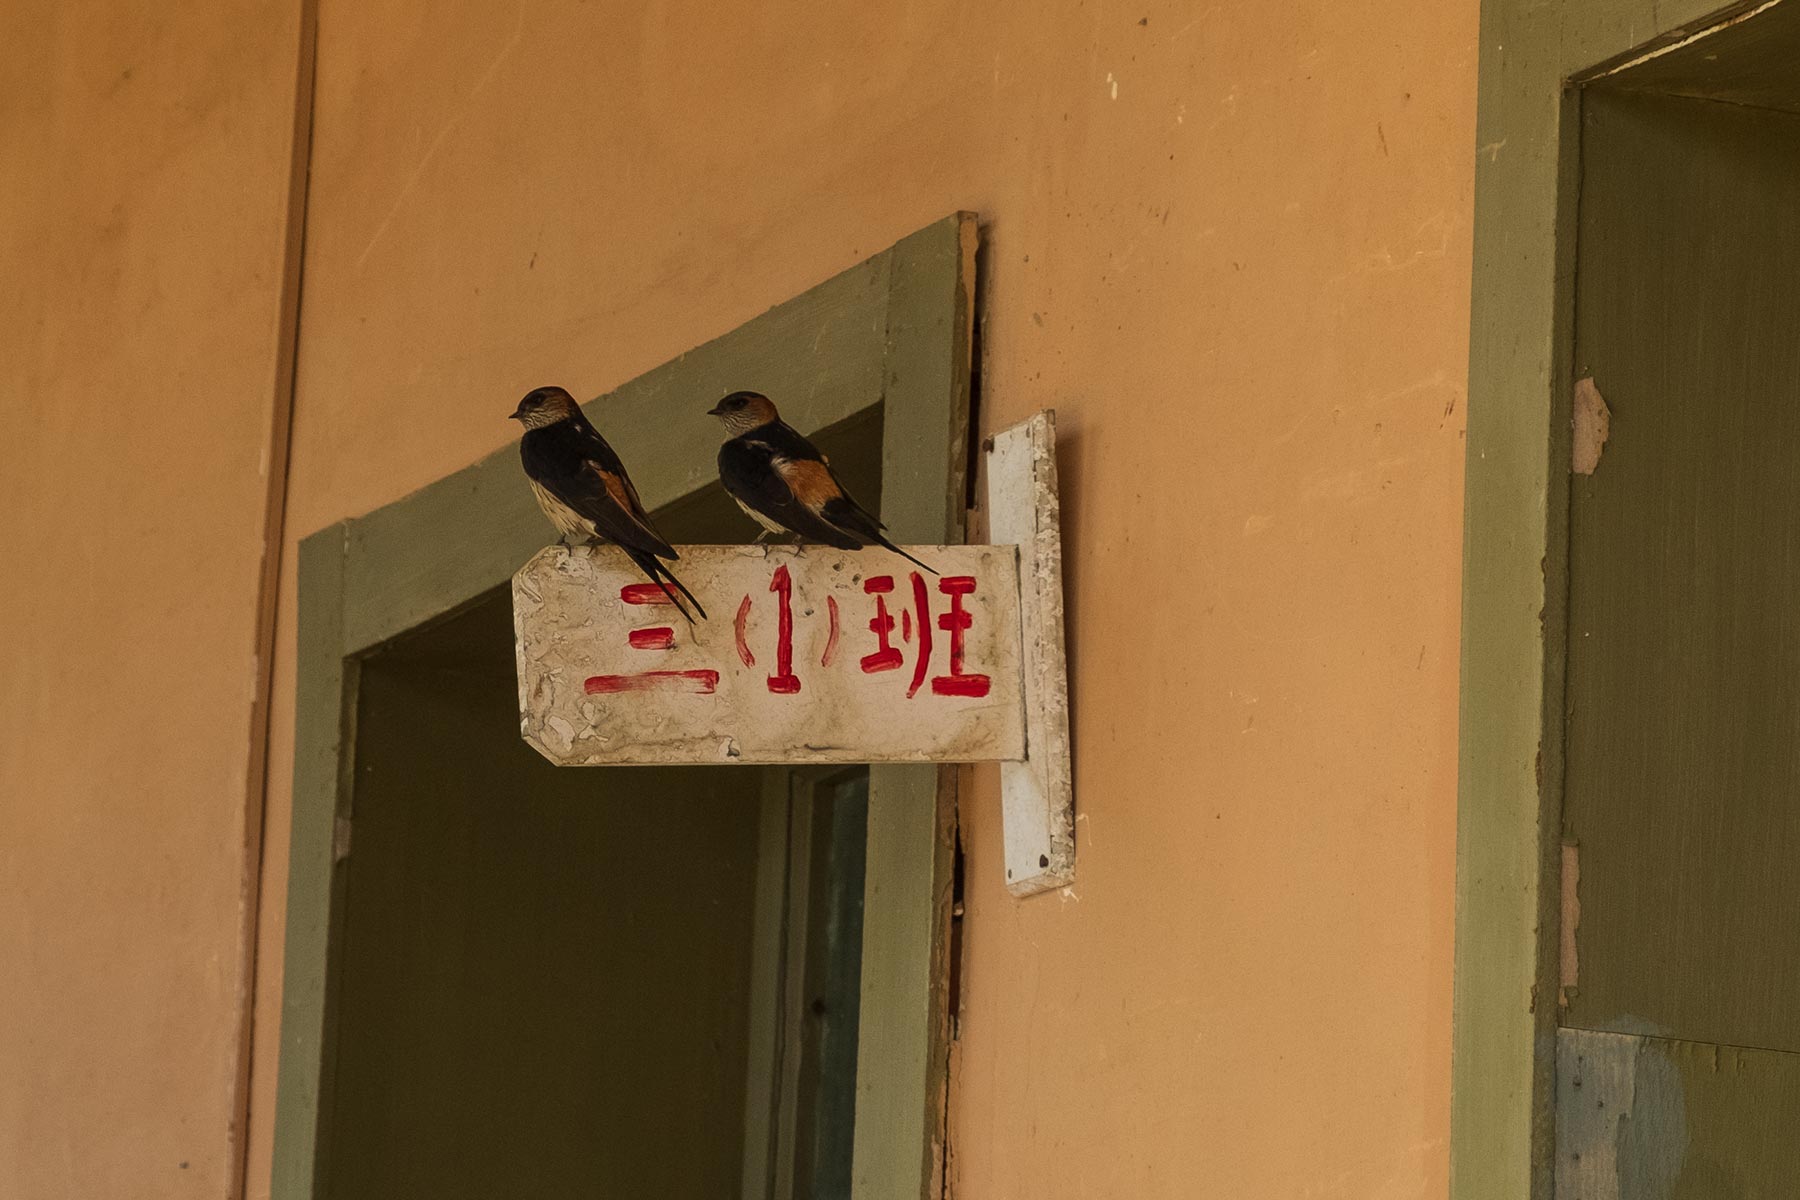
(1037, 795)
(810, 655)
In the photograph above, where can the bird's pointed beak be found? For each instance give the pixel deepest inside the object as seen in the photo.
(715, 411)
(518, 414)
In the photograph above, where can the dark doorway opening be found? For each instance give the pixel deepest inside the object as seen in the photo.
(588, 982)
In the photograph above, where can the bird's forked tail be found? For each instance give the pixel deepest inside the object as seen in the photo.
(654, 568)
(903, 554)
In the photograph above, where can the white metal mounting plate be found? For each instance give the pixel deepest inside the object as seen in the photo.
(1038, 794)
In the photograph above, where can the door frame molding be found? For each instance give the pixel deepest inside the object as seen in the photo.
(896, 331)
(1533, 58)
(780, 963)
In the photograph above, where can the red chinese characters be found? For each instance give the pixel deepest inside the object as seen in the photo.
(886, 657)
(655, 637)
(784, 682)
(956, 623)
(914, 628)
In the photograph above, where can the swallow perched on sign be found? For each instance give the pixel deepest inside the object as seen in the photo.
(582, 487)
(785, 484)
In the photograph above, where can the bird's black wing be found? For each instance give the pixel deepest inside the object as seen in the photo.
(841, 510)
(747, 468)
(808, 473)
(786, 441)
(577, 466)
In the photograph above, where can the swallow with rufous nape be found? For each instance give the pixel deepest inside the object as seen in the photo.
(782, 481)
(582, 487)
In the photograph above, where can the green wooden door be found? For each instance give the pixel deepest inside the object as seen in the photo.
(1678, 1070)
(1673, 221)
(543, 971)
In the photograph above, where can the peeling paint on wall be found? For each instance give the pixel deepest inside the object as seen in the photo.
(1621, 1117)
(1593, 425)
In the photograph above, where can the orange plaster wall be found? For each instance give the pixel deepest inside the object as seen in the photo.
(1230, 244)
(145, 153)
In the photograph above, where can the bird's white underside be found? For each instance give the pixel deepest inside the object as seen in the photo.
(568, 522)
(767, 524)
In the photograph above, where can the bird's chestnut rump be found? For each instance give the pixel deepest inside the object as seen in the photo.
(785, 485)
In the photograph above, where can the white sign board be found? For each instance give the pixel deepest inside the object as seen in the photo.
(811, 655)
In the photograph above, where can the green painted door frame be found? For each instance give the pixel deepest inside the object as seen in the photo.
(1509, 791)
(895, 331)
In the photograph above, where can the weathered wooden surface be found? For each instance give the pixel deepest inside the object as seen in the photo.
(791, 667)
(1038, 795)
(1747, 59)
(1621, 1125)
(1648, 1118)
(1683, 779)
